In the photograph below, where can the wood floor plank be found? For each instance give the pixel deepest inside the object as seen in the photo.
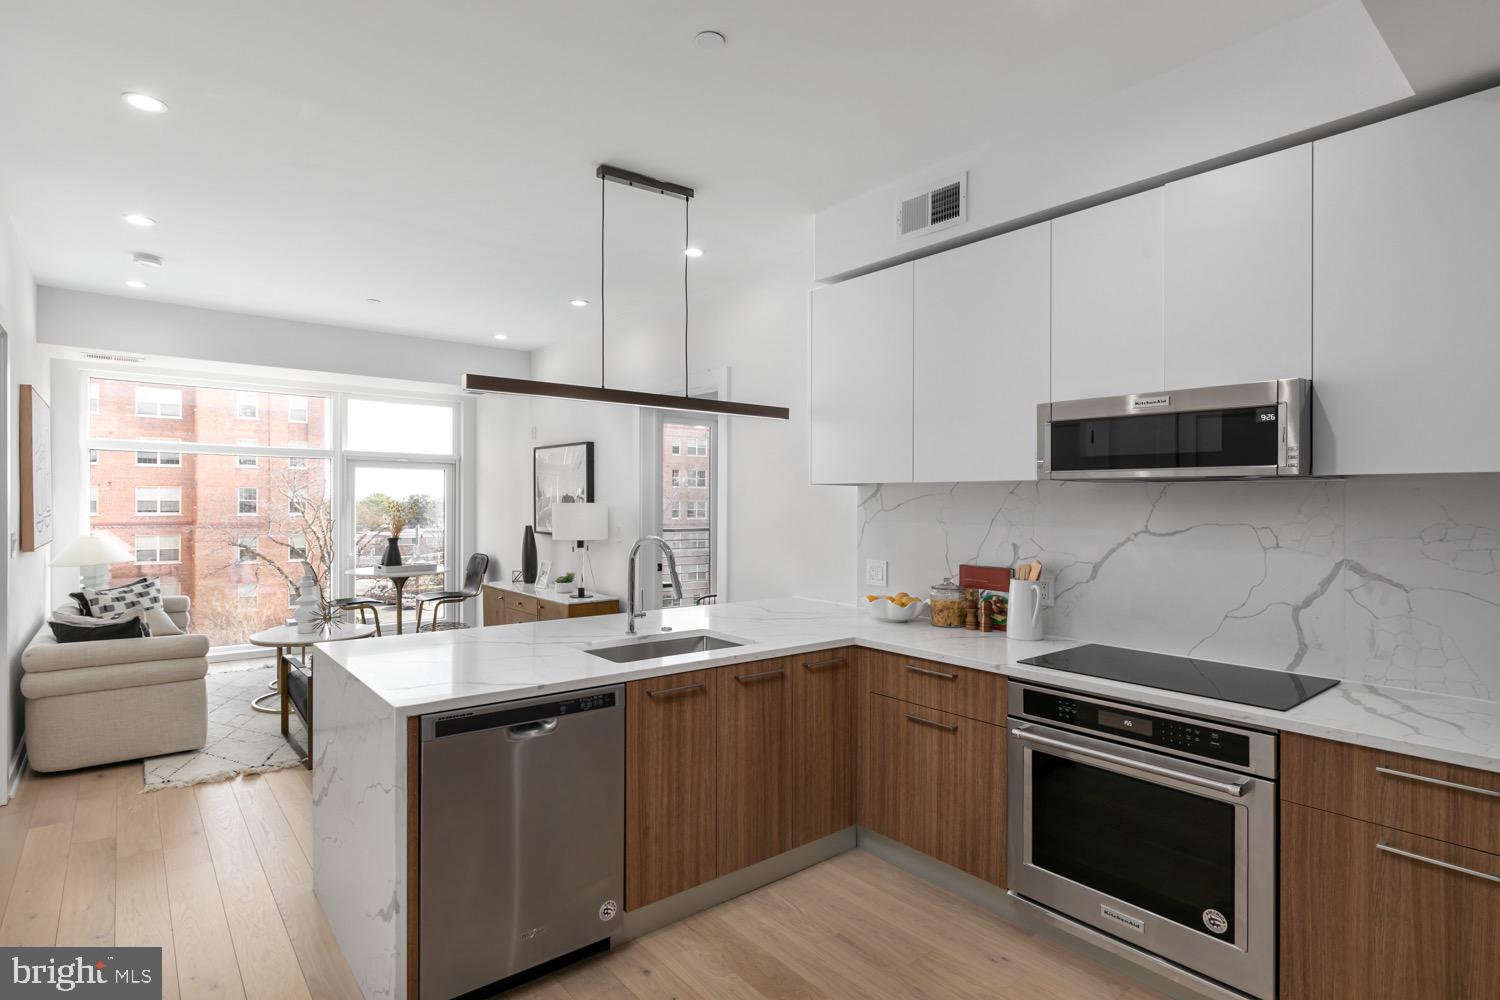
(294, 793)
(36, 895)
(206, 962)
(15, 822)
(290, 876)
(143, 915)
(646, 976)
(87, 916)
(268, 965)
(56, 800)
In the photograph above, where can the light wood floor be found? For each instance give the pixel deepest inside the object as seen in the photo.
(220, 876)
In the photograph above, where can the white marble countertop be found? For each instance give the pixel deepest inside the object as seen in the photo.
(543, 594)
(429, 672)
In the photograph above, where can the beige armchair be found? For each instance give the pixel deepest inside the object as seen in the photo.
(93, 703)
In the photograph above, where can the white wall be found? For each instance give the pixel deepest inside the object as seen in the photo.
(25, 572)
(137, 326)
(784, 536)
(1324, 66)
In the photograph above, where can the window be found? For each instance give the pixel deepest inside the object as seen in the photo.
(93, 397)
(246, 461)
(699, 575)
(245, 548)
(247, 406)
(296, 409)
(676, 477)
(93, 456)
(158, 500)
(164, 459)
(158, 401)
(158, 548)
(296, 501)
(249, 500)
(697, 478)
(676, 510)
(93, 501)
(296, 462)
(697, 508)
(677, 446)
(414, 428)
(697, 446)
(297, 548)
(169, 586)
(292, 593)
(250, 589)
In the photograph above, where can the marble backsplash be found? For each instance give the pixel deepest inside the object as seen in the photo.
(1390, 580)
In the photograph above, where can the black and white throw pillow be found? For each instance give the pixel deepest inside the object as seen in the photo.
(117, 600)
(84, 628)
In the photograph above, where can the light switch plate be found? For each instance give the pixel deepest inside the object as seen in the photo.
(876, 572)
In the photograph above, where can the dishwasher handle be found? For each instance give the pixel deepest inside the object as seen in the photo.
(530, 730)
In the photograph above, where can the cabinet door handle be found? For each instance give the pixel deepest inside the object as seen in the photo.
(1391, 773)
(824, 664)
(680, 689)
(1460, 869)
(925, 672)
(945, 727)
(762, 675)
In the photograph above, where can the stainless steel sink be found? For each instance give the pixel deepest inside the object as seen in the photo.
(655, 648)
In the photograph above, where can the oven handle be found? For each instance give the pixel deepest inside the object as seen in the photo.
(1234, 788)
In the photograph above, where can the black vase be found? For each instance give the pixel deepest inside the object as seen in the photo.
(392, 555)
(528, 556)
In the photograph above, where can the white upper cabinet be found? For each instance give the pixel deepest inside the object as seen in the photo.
(859, 379)
(1239, 272)
(1406, 315)
(1107, 299)
(980, 364)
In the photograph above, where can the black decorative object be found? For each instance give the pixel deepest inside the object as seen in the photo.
(528, 556)
(392, 555)
(560, 473)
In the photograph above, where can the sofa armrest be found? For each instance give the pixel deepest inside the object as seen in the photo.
(176, 604)
(46, 653)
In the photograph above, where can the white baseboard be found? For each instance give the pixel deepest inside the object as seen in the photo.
(17, 769)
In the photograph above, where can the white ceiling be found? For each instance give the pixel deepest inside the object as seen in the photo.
(440, 156)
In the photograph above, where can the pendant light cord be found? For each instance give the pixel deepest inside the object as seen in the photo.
(602, 282)
(687, 241)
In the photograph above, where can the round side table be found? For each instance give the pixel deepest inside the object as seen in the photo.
(285, 638)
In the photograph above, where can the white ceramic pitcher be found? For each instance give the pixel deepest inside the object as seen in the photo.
(1024, 615)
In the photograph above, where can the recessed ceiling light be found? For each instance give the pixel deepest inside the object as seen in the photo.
(146, 259)
(134, 283)
(144, 102)
(137, 219)
(373, 302)
(710, 40)
(692, 252)
(580, 303)
(501, 336)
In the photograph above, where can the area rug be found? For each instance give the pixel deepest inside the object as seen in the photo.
(240, 739)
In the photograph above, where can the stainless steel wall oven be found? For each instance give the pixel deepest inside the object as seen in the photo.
(1154, 829)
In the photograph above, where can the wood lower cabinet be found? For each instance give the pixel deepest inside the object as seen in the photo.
(753, 763)
(501, 606)
(1369, 912)
(935, 782)
(671, 806)
(825, 694)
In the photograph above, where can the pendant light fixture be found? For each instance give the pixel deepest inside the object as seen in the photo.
(603, 394)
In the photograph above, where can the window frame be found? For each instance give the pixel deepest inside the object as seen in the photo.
(154, 389)
(240, 404)
(240, 457)
(157, 549)
(291, 410)
(158, 499)
(239, 501)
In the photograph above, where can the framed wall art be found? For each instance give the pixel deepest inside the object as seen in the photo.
(561, 473)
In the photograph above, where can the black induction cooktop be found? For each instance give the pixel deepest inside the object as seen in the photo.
(1274, 689)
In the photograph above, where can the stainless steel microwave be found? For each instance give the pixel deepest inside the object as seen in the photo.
(1249, 431)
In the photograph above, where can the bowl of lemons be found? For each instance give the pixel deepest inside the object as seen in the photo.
(900, 607)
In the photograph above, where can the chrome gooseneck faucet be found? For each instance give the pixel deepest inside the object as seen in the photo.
(631, 614)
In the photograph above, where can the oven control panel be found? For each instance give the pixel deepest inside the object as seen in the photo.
(1146, 728)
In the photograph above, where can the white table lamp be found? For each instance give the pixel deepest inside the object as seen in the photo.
(583, 523)
(93, 555)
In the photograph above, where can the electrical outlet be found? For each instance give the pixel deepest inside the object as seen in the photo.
(1046, 595)
(875, 572)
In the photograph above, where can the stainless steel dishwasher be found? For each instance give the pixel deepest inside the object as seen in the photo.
(522, 843)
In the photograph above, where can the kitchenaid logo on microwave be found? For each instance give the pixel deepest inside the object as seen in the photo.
(1150, 402)
(114, 973)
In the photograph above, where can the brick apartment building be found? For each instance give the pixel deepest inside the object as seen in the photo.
(687, 499)
(191, 520)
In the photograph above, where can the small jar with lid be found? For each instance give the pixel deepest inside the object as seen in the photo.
(948, 605)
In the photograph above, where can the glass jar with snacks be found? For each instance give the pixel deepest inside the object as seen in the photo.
(948, 606)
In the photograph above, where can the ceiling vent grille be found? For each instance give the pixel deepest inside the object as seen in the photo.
(944, 205)
(93, 356)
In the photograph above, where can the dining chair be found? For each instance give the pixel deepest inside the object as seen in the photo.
(474, 571)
